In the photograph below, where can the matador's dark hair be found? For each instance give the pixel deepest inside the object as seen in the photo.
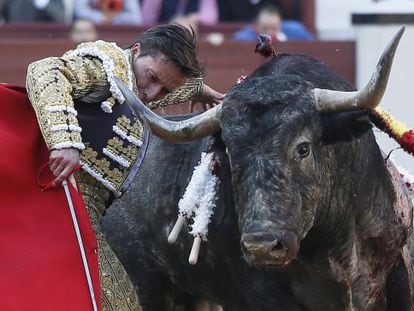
(176, 42)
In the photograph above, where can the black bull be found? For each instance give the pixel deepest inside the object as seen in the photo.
(309, 216)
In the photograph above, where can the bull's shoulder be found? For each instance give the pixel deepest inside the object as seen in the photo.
(403, 205)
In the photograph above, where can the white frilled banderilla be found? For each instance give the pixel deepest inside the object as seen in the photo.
(198, 203)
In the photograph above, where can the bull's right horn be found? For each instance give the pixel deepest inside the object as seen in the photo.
(367, 98)
(194, 128)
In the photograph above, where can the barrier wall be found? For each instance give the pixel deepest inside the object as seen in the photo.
(224, 63)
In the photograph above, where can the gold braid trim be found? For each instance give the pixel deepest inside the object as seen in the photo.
(185, 92)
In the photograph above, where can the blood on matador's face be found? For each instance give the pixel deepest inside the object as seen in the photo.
(156, 76)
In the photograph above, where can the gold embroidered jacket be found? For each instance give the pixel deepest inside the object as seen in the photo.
(78, 105)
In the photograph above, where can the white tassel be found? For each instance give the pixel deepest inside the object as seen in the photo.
(193, 192)
(205, 208)
(195, 188)
(198, 202)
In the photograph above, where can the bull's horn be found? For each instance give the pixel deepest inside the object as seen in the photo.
(367, 98)
(194, 128)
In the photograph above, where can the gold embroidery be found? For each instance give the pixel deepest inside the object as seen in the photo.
(135, 129)
(60, 117)
(116, 146)
(95, 195)
(65, 136)
(116, 176)
(118, 292)
(102, 167)
(124, 123)
(116, 62)
(190, 88)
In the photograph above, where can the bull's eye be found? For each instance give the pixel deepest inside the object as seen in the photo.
(303, 149)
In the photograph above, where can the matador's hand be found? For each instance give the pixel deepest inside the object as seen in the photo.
(208, 98)
(62, 162)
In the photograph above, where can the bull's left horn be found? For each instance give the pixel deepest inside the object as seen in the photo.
(370, 96)
(194, 128)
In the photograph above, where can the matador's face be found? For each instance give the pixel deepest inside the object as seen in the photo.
(155, 76)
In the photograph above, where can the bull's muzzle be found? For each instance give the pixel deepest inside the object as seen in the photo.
(269, 250)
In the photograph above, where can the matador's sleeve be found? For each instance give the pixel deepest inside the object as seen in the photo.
(183, 93)
(53, 84)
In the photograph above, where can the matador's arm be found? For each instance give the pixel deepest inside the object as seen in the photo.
(52, 84)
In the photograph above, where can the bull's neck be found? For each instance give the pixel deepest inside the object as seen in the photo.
(361, 191)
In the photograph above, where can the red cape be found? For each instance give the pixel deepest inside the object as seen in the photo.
(40, 262)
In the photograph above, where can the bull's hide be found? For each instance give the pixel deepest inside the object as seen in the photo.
(309, 215)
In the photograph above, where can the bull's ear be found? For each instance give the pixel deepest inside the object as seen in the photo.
(345, 126)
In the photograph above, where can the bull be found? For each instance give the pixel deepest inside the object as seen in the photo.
(309, 215)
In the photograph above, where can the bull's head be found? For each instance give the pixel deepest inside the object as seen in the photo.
(272, 139)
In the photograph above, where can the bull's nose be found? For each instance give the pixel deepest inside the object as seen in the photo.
(252, 247)
(274, 248)
(278, 249)
(267, 248)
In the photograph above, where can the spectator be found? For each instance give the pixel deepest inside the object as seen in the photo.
(242, 10)
(83, 30)
(31, 11)
(115, 12)
(269, 21)
(184, 11)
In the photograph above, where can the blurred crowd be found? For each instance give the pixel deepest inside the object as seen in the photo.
(257, 15)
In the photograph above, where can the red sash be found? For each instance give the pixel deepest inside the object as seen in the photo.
(40, 262)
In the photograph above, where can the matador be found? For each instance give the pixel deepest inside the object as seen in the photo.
(79, 107)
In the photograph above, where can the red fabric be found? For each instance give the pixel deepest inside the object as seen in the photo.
(40, 262)
(407, 141)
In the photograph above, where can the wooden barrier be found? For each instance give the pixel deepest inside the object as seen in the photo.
(224, 63)
(122, 34)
